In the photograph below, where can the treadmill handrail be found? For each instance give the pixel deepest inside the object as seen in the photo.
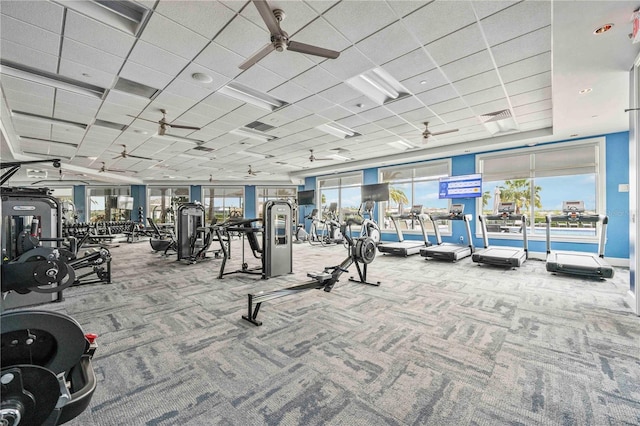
(465, 218)
(485, 238)
(603, 219)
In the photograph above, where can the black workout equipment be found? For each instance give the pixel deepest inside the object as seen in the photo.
(14, 166)
(369, 227)
(448, 251)
(361, 251)
(162, 240)
(578, 263)
(193, 239)
(407, 247)
(46, 377)
(503, 255)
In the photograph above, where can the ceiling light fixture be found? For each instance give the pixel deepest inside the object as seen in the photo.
(246, 94)
(339, 157)
(338, 130)
(53, 80)
(585, 91)
(48, 141)
(255, 154)
(201, 77)
(603, 29)
(48, 120)
(499, 122)
(122, 14)
(378, 85)
(401, 145)
(252, 134)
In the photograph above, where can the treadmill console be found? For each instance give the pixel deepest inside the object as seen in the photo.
(573, 209)
(333, 207)
(416, 210)
(507, 208)
(457, 209)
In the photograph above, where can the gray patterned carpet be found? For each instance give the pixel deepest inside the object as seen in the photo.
(436, 344)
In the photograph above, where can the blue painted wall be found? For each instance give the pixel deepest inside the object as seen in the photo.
(80, 199)
(195, 193)
(250, 208)
(139, 194)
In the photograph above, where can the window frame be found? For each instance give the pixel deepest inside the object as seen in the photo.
(88, 195)
(204, 196)
(600, 182)
(318, 201)
(173, 187)
(447, 162)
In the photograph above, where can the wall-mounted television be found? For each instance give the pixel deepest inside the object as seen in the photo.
(306, 198)
(375, 192)
(125, 202)
(463, 186)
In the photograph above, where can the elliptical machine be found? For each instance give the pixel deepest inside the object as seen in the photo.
(369, 227)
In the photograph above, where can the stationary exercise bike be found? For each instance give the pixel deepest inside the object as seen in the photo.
(302, 235)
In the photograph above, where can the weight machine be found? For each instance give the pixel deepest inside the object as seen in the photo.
(360, 251)
(193, 238)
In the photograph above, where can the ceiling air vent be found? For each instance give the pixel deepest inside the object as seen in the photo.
(257, 125)
(133, 88)
(499, 122)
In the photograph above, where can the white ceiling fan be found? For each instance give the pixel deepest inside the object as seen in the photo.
(313, 158)
(164, 124)
(280, 39)
(427, 133)
(251, 172)
(104, 169)
(125, 154)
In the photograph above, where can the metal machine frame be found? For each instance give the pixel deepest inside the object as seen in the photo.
(502, 255)
(448, 251)
(406, 247)
(578, 263)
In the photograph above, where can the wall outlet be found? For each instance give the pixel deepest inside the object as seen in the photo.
(461, 239)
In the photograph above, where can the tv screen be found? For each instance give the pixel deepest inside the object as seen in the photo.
(125, 202)
(463, 186)
(306, 198)
(375, 192)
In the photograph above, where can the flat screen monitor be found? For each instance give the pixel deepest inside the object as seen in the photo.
(463, 186)
(125, 202)
(375, 192)
(306, 198)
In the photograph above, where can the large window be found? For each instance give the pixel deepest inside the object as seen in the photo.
(410, 186)
(103, 204)
(223, 202)
(344, 192)
(163, 202)
(265, 194)
(538, 180)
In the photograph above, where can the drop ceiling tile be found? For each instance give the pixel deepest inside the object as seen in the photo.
(206, 19)
(46, 15)
(204, 110)
(535, 116)
(95, 76)
(260, 79)
(459, 44)
(388, 43)
(425, 81)
(175, 105)
(141, 74)
(531, 97)
(478, 82)
(96, 34)
(31, 106)
(454, 104)
(19, 86)
(316, 80)
(297, 15)
(221, 101)
(80, 102)
(342, 16)
(173, 37)
(352, 121)
(522, 47)
(185, 89)
(417, 115)
(403, 8)
(516, 20)
(489, 107)
(314, 103)
(427, 24)
(403, 105)
(91, 57)
(465, 123)
(289, 114)
(243, 37)
(533, 107)
(526, 67)
(536, 124)
(486, 8)
(126, 100)
(290, 92)
(20, 54)
(409, 65)
(156, 58)
(350, 63)
(340, 93)
(29, 128)
(29, 36)
(468, 66)
(527, 84)
(483, 96)
(437, 95)
(389, 122)
(220, 60)
(378, 113)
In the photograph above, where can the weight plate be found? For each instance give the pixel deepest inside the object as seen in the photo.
(48, 339)
(33, 391)
(365, 250)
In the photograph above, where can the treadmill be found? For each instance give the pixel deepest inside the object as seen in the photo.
(578, 263)
(406, 247)
(499, 255)
(448, 251)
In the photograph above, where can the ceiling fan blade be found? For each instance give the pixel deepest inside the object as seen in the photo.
(267, 16)
(295, 46)
(139, 157)
(140, 118)
(252, 60)
(179, 126)
(119, 156)
(444, 132)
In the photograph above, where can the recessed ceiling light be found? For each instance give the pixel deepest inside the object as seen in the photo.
(603, 29)
(142, 132)
(423, 82)
(360, 105)
(585, 91)
(202, 77)
(594, 116)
